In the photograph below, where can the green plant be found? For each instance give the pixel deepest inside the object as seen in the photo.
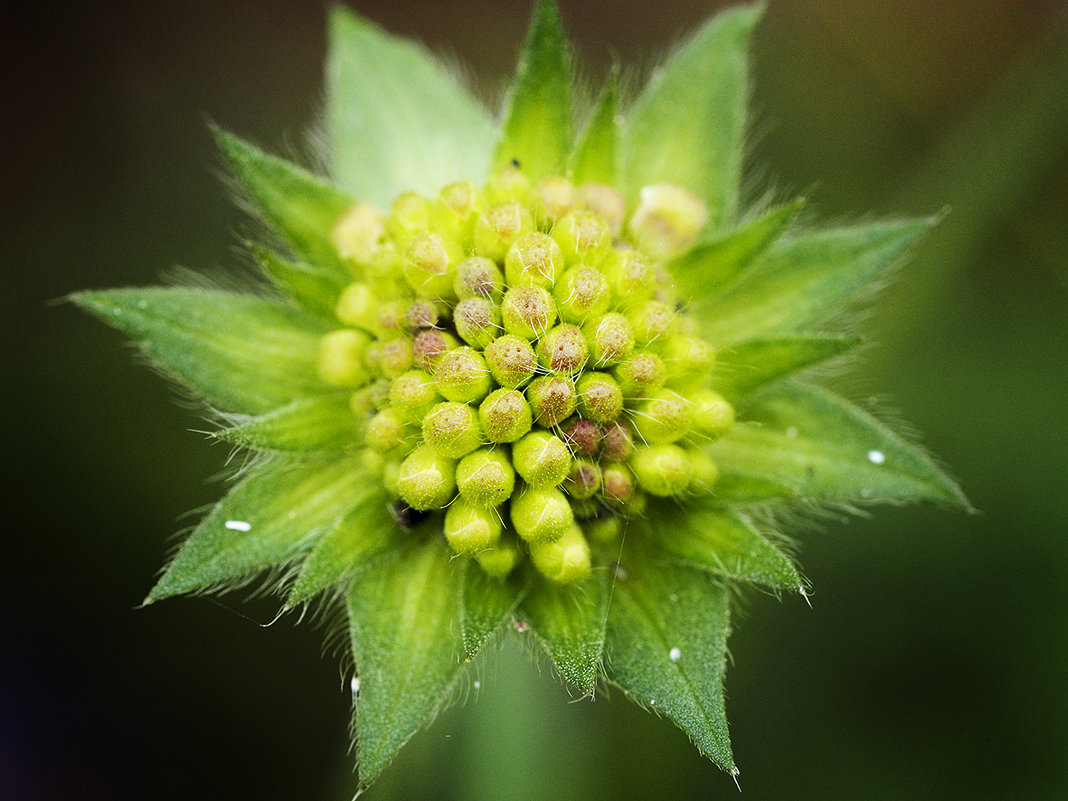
(507, 374)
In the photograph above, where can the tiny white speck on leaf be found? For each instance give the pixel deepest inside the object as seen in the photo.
(355, 684)
(675, 654)
(477, 685)
(238, 525)
(876, 457)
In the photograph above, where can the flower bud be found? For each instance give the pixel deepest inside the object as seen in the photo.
(541, 459)
(540, 514)
(429, 345)
(462, 375)
(409, 215)
(507, 183)
(653, 322)
(392, 356)
(563, 350)
(599, 397)
(505, 415)
(499, 560)
(551, 199)
(356, 306)
(640, 374)
(429, 265)
(528, 312)
(412, 394)
(629, 276)
(421, 314)
(663, 416)
(604, 530)
(426, 480)
(581, 292)
(552, 399)
(566, 559)
(511, 360)
(583, 437)
(705, 473)
(471, 529)
(584, 480)
(485, 478)
(610, 337)
(534, 259)
(617, 482)
(667, 220)
(341, 358)
(358, 234)
(498, 227)
(662, 470)
(583, 237)
(390, 320)
(453, 213)
(689, 361)
(385, 431)
(606, 202)
(617, 442)
(477, 277)
(713, 416)
(369, 399)
(452, 429)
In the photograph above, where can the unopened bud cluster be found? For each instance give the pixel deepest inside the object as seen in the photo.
(519, 364)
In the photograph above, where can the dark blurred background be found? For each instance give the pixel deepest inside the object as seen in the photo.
(934, 664)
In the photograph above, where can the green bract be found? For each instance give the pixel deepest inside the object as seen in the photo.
(511, 373)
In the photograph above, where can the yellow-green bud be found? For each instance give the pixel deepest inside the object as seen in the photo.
(358, 234)
(540, 514)
(617, 443)
(640, 374)
(429, 345)
(511, 360)
(541, 459)
(713, 416)
(370, 399)
(606, 202)
(583, 237)
(629, 276)
(478, 277)
(617, 482)
(477, 321)
(392, 356)
(528, 312)
(563, 350)
(705, 473)
(663, 416)
(565, 560)
(662, 470)
(357, 306)
(689, 361)
(462, 375)
(610, 337)
(599, 397)
(654, 322)
(386, 431)
(507, 183)
(429, 265)
(421, 314)
(551, 199)
(470, 529)
(409, 215)
(604, 530)
(452, 429)
(552, 399)
(453, 213)
(667, 220)
(341, 358)
(391, 319)
(581, 292)
(584, 480)
(500, 560)
(426, 480)
(498, 227)
(505, 415)
(534, 259)
(485, 478)
(412, 393)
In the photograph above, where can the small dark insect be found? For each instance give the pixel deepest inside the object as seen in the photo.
(405, 516)
(515, 163)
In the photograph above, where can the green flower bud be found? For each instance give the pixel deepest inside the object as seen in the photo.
(534, 259)
(421, 314)
(653, 322)
(582, 436)
(386, 431)
(477, 277)
(689, 361)
(356, 306)
(705, 473)
(640, 374)
(583, 237)
(617, 482)
(617, 442)
(606, 202)
(341, 358)
(498, 227)
(391, 319)
(563, 350)
(453, 213)
(452, 429)
(505, 415)
(552, 399)
(426, 479)
(470, 529)
(507, 183)
(584, 480)
(565, 560)
(358, 234)
(370, 399)
(409, 216)
(629, 276)
(528, 312)
(412, 394)
(540, 514)
(599, 397)
(500, 560)
(581, 292)
(713, 416)
(551, 199)
(485, 478)
(663, 416)
(511, 360)
(604, 530)
(462, 375)
(662, 470)
(667, 220)
(610, 337)
(586, 508)
(429, 265)
(392, 357)
(477, 321)
(541, 459)
(429, 345)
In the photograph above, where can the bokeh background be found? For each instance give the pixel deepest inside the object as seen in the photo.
(934, 664)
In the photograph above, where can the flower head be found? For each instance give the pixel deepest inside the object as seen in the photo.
(507, 372)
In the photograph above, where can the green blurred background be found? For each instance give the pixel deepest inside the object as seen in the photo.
(935, 661)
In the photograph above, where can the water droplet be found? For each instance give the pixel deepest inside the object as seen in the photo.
(876, 457)
(355, 684)
(238, 525)
(675, 654)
